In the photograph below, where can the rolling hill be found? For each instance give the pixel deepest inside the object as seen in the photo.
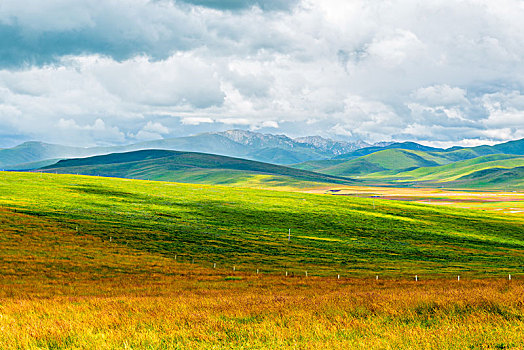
(190, 167)
(493, 178)
(397, 145)
(455, 170)
(389, 159)
(393, 165)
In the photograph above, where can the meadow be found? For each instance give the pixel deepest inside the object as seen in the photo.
(106, 263)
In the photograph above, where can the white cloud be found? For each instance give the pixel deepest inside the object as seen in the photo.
(269, 124)
(441, 95)
(235, 121)
(445, 71)
(155, 127)
(196, 120)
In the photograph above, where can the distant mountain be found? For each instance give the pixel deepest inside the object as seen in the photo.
(30, 152)
(276, 149)
(190, 167)
(515, 147)
(334, 147)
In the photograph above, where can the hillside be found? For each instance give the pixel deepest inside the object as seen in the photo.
(389, 159)
(249, 227)
(453, 171)
(494, 178)
(403, 167)
(397, 145)
(190, 167)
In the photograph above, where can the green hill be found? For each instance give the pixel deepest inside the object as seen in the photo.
(493, 178)
(244, 227)
(412, 146)
(453, 171)
(191, 167)
(392, 160)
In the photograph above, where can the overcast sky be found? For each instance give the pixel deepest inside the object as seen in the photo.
(88, 72)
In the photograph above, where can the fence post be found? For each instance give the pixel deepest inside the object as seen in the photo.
(458, 278)
(416, 278)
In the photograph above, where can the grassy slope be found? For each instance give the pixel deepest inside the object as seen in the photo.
(190, 167)
(248, 227)
(385, 160)
(495, 178)
(455, 168)
(453, 171)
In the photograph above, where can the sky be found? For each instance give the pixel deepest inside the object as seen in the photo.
(92, 72)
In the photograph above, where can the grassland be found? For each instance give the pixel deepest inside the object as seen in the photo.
(108, 263)
(249, 227)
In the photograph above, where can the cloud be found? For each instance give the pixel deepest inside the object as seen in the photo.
(441, 95)
(271, 5)
(235, 121)
(439, 71)
(196, 120)
(156, 128)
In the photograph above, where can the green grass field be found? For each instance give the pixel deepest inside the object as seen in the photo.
(248, 228)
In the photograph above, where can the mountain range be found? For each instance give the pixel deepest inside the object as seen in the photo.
(240, 157)
(276, 149)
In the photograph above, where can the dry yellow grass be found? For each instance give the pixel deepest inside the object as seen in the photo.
(187, 308)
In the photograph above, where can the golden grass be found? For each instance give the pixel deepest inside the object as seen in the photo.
(186, 307)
